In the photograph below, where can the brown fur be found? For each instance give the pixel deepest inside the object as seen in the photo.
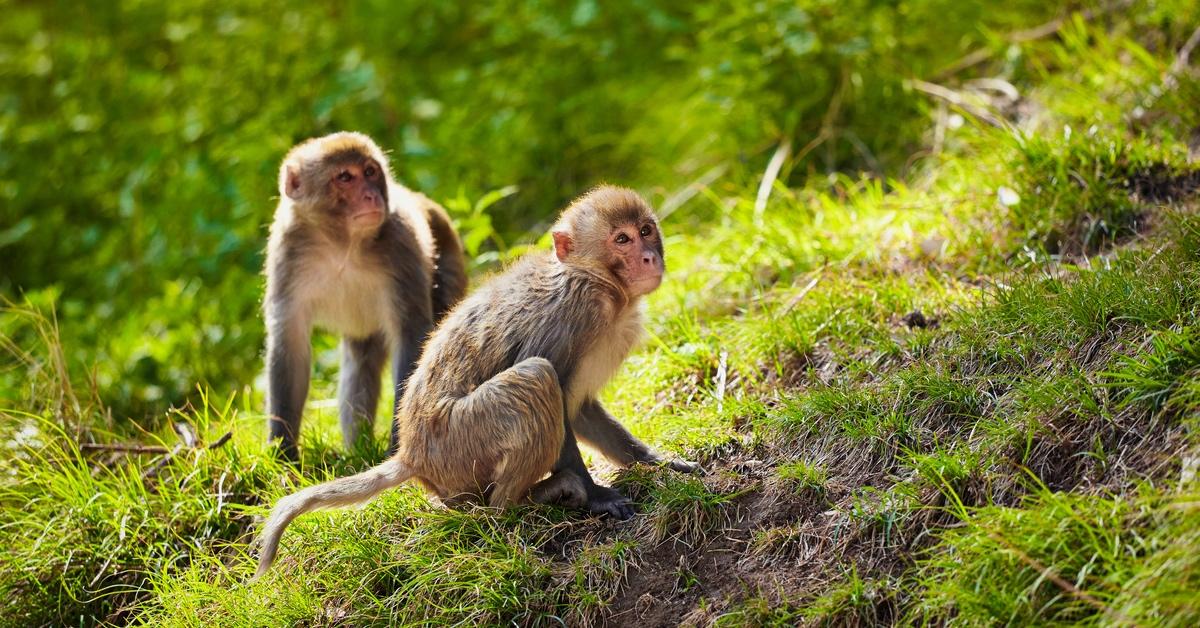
(510, 374)
(382, 287)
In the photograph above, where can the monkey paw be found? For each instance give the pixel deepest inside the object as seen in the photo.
(606, 501)
(685, 466)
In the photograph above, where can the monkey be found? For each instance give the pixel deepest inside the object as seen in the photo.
(358, 254)
(510, 378)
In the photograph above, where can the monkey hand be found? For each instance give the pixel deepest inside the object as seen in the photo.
(685, 466)
(606, 501)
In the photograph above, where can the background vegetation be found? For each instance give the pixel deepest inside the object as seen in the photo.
(157, 131)
(931, 322)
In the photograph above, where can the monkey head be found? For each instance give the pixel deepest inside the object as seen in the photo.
(339, 180)
(615, 228)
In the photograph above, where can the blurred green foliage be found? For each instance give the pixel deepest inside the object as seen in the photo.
(139, 141)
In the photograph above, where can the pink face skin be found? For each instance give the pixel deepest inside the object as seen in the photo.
(637, 254)
(361, 190)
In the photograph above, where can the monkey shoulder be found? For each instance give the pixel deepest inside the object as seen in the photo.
(425, 214)
(283, 220)
(290, 245)
(412, 209)
(401, 250)
(410, 198)
(566, 295)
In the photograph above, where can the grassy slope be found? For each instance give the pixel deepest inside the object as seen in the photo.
(1026, 454)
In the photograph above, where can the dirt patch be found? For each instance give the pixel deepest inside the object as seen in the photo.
(1104, 455)
(682, 579)
(1159, 183)
(917, 319)
(776, 541)
(779, 542)
(1149, 187)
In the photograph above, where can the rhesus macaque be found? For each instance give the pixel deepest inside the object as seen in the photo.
(356, 253)
(511, 376)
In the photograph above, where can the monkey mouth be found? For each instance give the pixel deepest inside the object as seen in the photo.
(373, 214)
(645, 284)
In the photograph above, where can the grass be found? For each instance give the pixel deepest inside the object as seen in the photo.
(803, 476)
(1061, 558)
(918, 401)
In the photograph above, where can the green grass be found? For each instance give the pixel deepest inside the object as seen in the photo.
(803, 476)
(1064, 558)
(1024, 451)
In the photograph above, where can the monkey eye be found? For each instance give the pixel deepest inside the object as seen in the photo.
(646, 231)
(622, 239)
(369, 171)
(345, 176)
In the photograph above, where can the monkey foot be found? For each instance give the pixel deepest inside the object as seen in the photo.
(562, 488)
(606, 501)
(685, 466)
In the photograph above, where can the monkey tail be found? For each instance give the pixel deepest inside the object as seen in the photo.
(347, 491)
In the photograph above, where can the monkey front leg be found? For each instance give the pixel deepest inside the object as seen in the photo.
(289, 360)
(599, 429)
(359, 385)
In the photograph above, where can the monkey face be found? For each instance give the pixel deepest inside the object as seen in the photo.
(360, 192)
(339, 180)
(637, 255)
(615, 228)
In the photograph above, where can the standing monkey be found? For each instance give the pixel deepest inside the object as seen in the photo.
(356, 253)
(511, 376)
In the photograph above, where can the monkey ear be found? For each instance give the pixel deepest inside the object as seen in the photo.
(291, 181)
(562, 245)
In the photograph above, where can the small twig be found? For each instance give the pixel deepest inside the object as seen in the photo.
(100, 572)
(1183, 57)
(162, 462)
(129, 449)
(685, 194)
(1170, 79)
(186, 434)
(831, 114)
(147, 449)
(221, 441)
(792, 302)
(769, 177)
(956, 99)
(722, 365)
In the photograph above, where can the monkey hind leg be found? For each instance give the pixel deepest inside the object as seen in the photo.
(346, 491)
(449, 275)
(563, 487)
(513, 425)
